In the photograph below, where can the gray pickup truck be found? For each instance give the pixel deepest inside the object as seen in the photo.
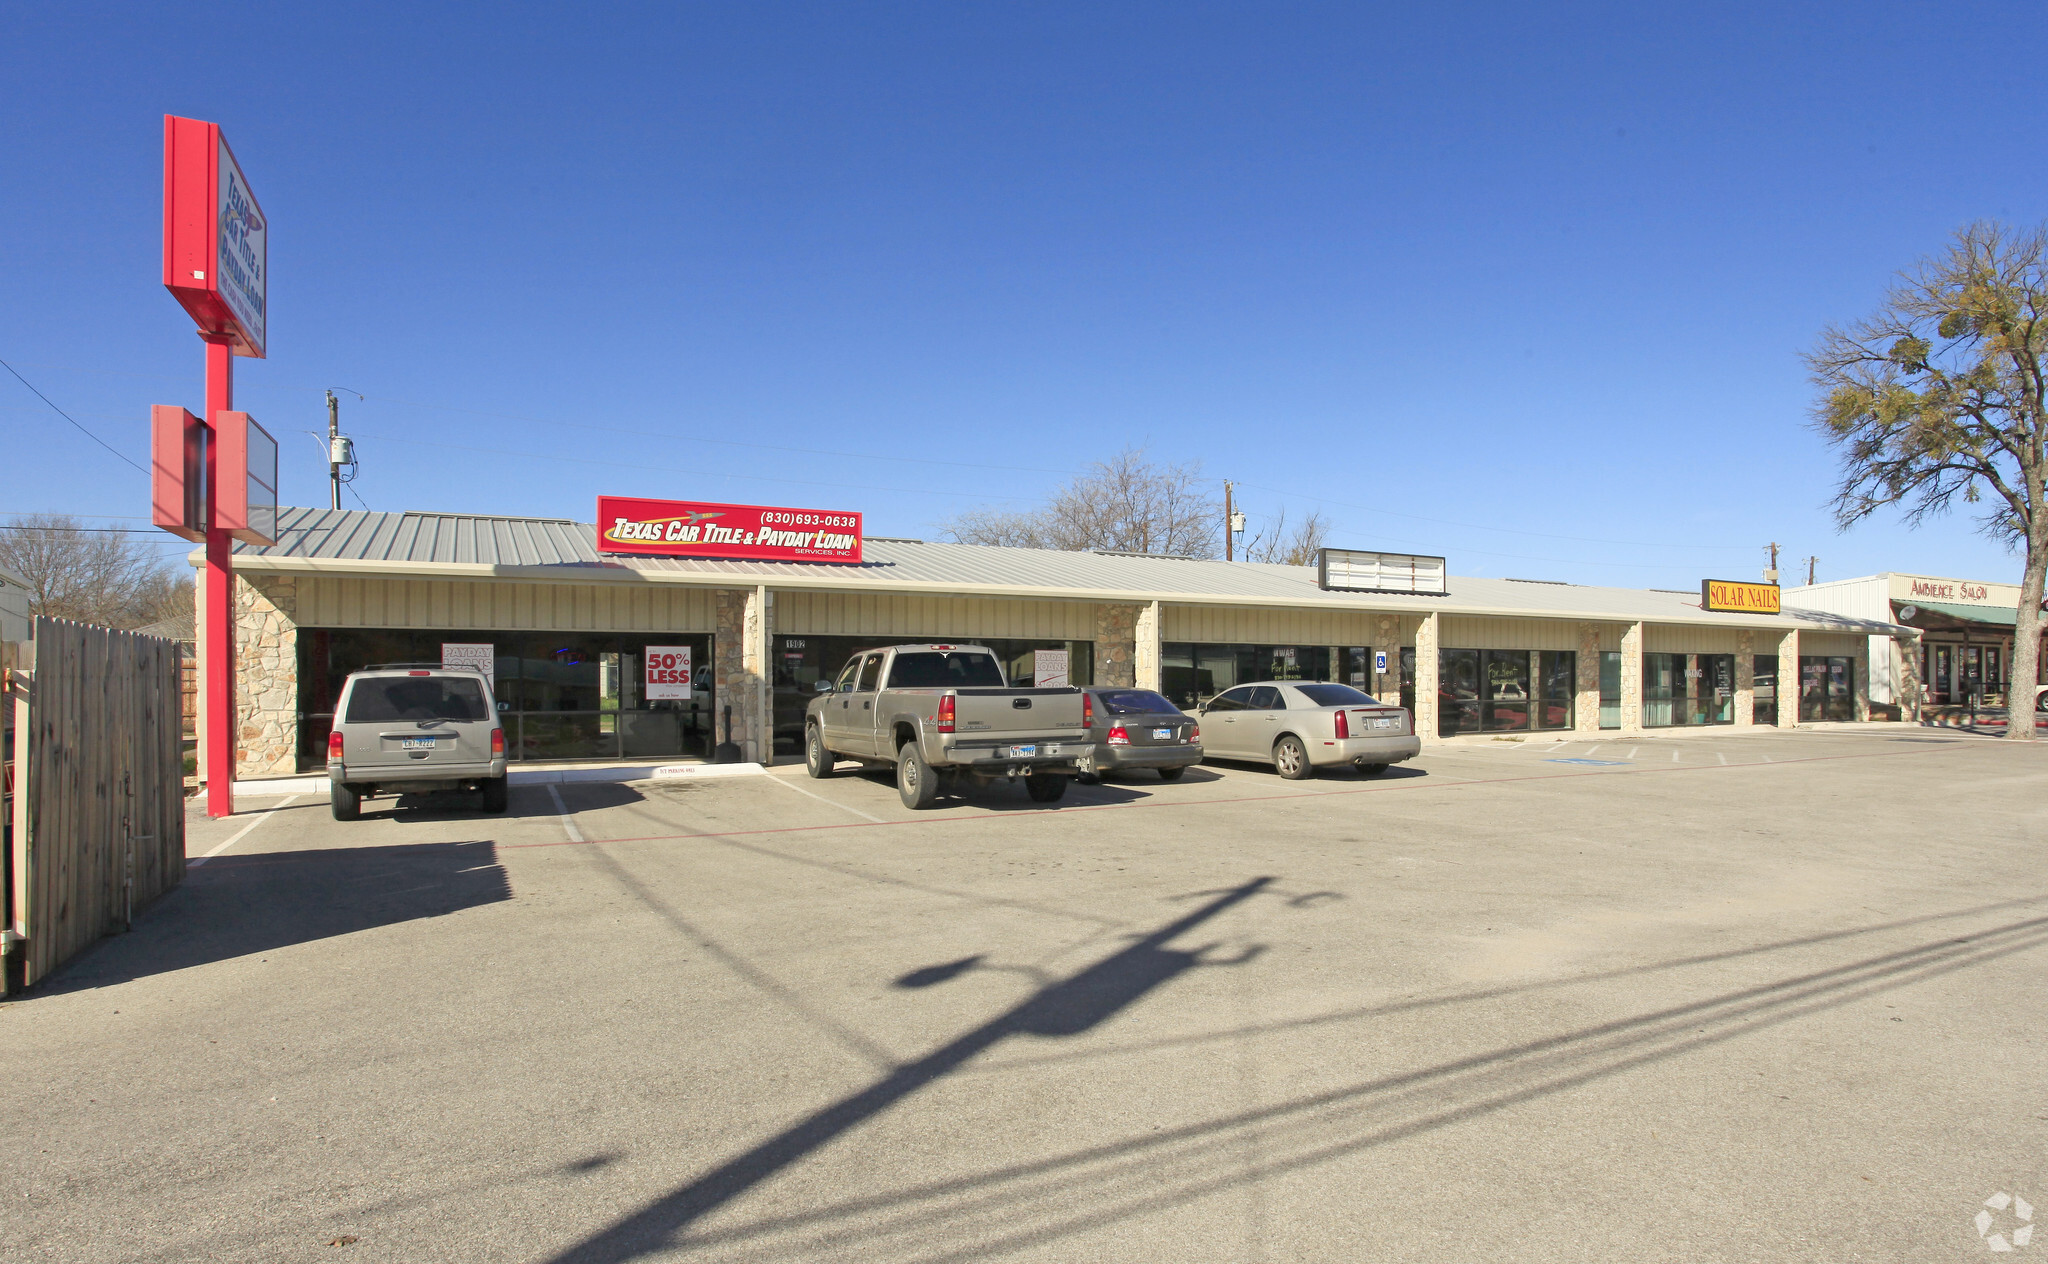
(942, 715)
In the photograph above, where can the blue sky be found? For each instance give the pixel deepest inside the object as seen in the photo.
(1523, 285)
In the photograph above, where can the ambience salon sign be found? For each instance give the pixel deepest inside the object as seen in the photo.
(1933, 590)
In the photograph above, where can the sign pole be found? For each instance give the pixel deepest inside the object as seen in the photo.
(217, 627)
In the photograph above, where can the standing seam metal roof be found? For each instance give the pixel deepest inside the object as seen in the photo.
(532, 546)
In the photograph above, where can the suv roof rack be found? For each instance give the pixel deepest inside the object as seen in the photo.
(468, 667)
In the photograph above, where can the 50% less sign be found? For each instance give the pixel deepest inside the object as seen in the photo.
(668, 673)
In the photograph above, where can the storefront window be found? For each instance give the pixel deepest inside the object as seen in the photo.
(1827, 688)
(1191, 674)
(1943, 680)
(1457, 698)
(1610, 689)
(1408, 678)
(1765, 691)
(567, 695)
(1681, 690)
(1559, 673)
(1663, 688)
(1506, 704)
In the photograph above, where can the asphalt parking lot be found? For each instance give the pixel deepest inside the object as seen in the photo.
(1741, 998)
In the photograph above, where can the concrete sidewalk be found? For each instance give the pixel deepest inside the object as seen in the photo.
(549, 774)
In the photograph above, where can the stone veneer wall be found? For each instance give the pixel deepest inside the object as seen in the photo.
(1116, 636)
(266, 675)
(734, 684)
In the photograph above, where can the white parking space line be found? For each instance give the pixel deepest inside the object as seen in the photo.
(1721, 756)
(787, 784)
(562, 813)
(1674, 756)
(243, 832)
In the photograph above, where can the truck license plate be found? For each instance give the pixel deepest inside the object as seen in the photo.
(1021, 752)
(416, 743)
(1162, 735)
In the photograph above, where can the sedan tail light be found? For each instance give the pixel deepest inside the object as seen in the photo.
(1343, 725)
(497, 743)
(1119, 736)
(946, 714)
(334, 743)
(1194, 732)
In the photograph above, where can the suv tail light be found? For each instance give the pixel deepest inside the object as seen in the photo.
(946, 714)
(1343, 725)
(334, 743)
(1119, 736)
(1087, 710)
(497, 743)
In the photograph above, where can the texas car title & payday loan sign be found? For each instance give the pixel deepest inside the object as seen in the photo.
(690, 528)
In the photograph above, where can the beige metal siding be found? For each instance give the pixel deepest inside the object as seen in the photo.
(1470, 633)
(1821, 643)
(1255, 625)
(330, 602)
(1659, 639)
(885, 614)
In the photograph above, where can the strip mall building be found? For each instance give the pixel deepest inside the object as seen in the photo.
(569, 632)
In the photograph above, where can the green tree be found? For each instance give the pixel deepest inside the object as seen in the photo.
(1936, 400)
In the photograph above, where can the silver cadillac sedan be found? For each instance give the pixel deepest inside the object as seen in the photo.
(1300, 726)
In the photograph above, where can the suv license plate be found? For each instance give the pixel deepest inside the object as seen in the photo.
(416, 743)
(1020, 752)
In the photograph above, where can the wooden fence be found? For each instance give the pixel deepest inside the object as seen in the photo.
(97, 827)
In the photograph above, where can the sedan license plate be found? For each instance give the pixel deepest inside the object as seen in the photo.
(416, 743)
(1162, 735)
(1022, 752)
(1383, 724)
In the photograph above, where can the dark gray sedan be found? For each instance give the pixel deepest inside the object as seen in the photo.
(1137, 728)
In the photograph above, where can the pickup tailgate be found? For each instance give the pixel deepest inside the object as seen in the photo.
(1017, 713)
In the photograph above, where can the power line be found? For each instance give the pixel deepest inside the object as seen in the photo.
(73, 420)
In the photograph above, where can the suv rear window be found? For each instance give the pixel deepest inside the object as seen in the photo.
(931, 669)
(1336, 696)
(382, 699)
(1136, 702)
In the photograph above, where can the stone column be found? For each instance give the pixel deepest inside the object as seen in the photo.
(1632, 679)
(1788, 680)
(1745, 678)
(1586, 706)
(1386, 686)
(1911, 688)
(1427, 677)
(1859, 676)
(1146, 651)
(266, 675)
(740, 677)
(1116, 635)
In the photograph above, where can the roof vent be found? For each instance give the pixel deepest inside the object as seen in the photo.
(1559, 582)
(1167, 557)
(890, 539)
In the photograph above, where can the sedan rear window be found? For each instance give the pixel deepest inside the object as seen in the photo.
(931, 669)
(383, 699)
(1136, 702)
(1336, 696)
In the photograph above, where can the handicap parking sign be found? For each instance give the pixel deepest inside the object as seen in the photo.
(1379, 661)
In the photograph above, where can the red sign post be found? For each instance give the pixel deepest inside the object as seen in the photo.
(695, 528)
(217, 265)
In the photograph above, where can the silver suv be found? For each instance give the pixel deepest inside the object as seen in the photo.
(414, 729)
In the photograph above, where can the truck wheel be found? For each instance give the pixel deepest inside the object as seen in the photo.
(497, 794)
(347, 804)
(1044, 787)
(818, 761)
(1291, 758)
(915, 783)
(1171, 774)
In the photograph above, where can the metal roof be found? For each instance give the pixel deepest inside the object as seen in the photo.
(451, 546)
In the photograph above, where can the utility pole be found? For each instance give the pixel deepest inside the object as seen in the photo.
(1771, 575)
(1229, 521)
(333, 450)
(1810, 563)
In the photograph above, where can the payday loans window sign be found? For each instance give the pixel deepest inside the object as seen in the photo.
(668, 673)
(691, 528)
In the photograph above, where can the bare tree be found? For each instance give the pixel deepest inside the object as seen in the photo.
(107, 578)
(1126, 503)
(1274, 542)
(1936, 398)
